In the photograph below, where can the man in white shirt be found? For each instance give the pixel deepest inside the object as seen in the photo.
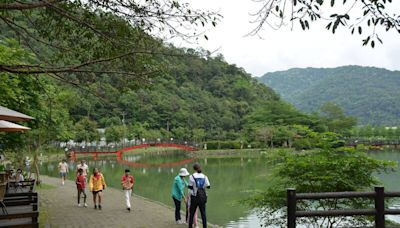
(198, 182)
(84, 167)
(63, 168)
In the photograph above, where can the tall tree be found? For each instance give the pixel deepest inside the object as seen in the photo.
(96, 36)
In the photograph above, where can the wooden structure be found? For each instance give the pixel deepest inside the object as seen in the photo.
(22, 210)
(20, 205)
(379, 211)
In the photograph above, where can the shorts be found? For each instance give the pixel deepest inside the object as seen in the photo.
(62, 174)
(95, 192)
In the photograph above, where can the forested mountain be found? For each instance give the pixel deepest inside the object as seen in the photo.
(76, 79)
(192, 96)
(368, 93)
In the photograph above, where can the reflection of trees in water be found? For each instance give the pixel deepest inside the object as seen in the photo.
(232, 179)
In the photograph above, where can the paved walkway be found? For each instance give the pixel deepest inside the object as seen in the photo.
(60, 206)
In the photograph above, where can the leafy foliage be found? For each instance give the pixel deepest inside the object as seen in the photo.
(92, 37)
(360, 17)
(197, 98)
(323, 170)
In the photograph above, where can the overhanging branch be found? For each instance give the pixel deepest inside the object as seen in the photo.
(26, 6)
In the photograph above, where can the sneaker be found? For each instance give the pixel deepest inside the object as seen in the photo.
(85, 205)
(95, 207)
(99, 207)
(179, 222)
(79, 205)
(129, 209)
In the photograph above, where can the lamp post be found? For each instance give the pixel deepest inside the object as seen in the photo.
(123, 123)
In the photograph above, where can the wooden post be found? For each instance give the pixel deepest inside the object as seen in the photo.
(380, 207)
(291, 208)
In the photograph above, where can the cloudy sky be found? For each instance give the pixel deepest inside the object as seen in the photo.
(283, 49)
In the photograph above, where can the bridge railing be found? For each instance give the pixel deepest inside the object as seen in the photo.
(379, 211)
(369, 141)
(118, 146)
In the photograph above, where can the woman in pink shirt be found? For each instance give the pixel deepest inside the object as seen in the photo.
(80, 186)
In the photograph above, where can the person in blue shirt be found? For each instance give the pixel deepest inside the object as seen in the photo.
(178, 193)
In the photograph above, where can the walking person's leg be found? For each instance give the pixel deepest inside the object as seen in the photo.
(177, 209)
(195, 218)
(84, 197)
(193, 206)
(187, 205)
(79, 197)
(128, 199)
(202, 208)
(94, 199)
(99, 195)
(63, 178)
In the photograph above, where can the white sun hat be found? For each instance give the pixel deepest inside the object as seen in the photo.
(183, 172)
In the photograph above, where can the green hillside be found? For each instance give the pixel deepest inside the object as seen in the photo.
(154, 91)
(368, 93)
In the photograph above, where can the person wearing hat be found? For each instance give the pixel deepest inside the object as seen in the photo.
(178, 193)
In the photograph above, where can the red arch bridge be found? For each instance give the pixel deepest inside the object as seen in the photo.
(120, 149)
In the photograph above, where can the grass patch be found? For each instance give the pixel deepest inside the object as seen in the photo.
(44, 218)
(44, 186)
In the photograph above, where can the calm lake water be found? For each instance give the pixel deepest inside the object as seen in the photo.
(232, 179)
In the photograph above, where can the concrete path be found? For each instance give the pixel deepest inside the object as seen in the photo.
(59, 206)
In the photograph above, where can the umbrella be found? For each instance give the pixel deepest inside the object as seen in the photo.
(11, 127)
(11, 115)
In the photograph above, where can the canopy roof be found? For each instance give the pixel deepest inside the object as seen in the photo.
(11, 115)
(11, 127)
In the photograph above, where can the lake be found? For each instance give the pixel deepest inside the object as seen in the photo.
(232, 179)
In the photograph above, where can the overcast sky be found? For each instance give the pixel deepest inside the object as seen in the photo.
(284, 49)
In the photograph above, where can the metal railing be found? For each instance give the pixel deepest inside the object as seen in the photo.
(379, 211)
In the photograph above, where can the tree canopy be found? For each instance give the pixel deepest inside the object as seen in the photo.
(97, 37)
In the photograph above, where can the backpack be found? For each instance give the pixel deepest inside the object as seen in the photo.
(201, 195)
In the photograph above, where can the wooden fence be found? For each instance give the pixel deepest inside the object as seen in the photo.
(379, 211)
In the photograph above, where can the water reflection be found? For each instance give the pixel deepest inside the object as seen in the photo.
(232, 180)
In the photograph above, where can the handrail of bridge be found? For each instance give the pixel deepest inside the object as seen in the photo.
(379, 211)
(371, 141)
(121, 146)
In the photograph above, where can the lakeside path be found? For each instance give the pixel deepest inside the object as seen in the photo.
(58, 206)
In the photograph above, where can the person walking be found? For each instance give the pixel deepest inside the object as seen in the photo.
(80, 186)
(97, 184)
(85, 168)
(198, 182)
(178, 194)
(63, 168)
(127, 182)
(188, 211)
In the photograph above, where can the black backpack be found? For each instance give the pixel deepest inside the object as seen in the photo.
(201, 195)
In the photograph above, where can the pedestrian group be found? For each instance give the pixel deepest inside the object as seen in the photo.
(191, 191)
